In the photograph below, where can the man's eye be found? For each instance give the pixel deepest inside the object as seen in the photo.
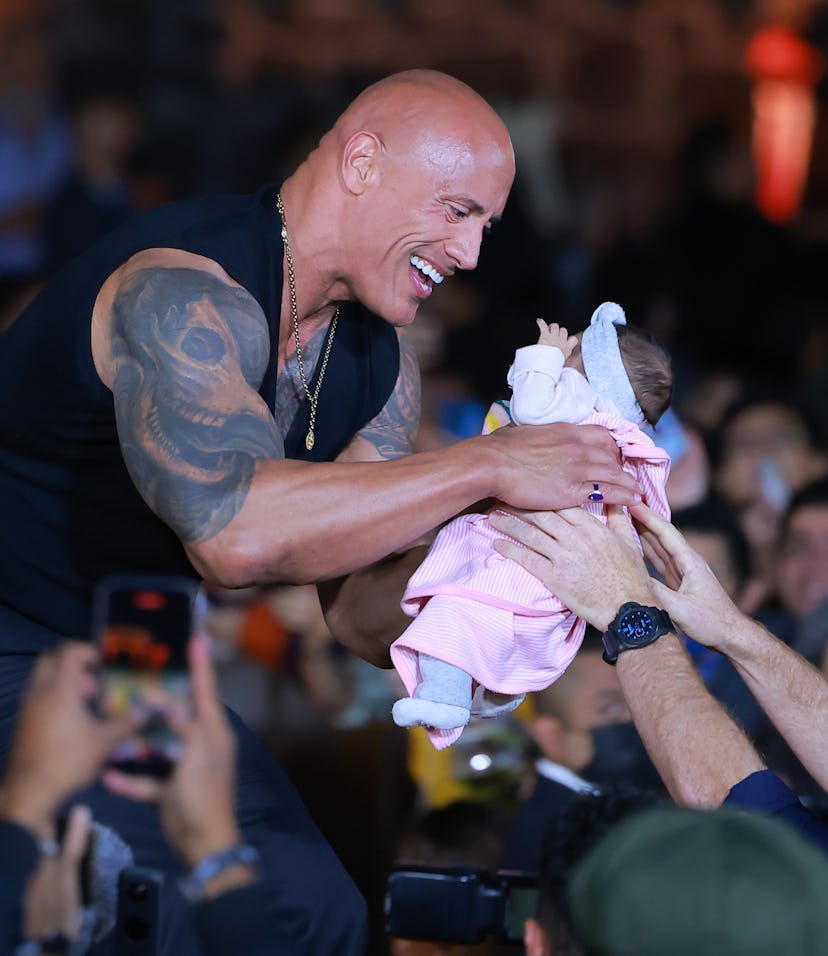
(458, 213)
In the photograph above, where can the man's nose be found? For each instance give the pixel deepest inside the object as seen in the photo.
(464, 246)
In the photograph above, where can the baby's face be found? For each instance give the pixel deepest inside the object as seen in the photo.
(575, 361)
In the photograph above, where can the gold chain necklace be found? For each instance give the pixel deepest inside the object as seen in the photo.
(313, 398)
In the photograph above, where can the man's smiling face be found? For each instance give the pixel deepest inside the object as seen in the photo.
(438, 190)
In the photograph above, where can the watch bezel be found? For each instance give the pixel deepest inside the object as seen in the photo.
(616, 640)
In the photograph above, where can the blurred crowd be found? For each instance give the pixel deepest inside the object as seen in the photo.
(739, 301)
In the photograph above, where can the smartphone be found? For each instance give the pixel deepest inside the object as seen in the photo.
(143, 625)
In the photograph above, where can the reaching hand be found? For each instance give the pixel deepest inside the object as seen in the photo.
(556, 336)
(691, 594)
(592, 567)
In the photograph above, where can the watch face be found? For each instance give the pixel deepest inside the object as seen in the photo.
(636, 625)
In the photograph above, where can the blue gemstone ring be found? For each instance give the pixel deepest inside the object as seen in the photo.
(595, 494)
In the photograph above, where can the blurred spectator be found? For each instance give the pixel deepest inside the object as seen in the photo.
(801, 573)
(35, 145)
(585, 739)
(765, 453)
(95, 198)
(799, 615)
(59, 748)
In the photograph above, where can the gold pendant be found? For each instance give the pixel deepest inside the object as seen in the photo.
(309, 439)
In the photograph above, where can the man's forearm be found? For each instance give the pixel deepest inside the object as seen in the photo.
(696, 747)
(791, 691)
(303, 523)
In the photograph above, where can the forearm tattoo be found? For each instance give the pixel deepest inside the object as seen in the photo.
(190, 352)
(393, 431)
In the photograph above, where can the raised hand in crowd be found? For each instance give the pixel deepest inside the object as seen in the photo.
(60, 744)
(59, 748)
(694, 744)
(197, 801)
(792, 692)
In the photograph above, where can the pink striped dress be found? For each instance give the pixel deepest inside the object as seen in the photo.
(489, 616)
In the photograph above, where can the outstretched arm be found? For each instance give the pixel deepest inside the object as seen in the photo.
(792, 692)
(695, 745)
(187, 352)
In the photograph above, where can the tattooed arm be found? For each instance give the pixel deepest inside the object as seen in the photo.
(189, 351)
(185, 350)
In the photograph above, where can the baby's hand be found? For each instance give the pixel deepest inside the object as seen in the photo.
(556, 336)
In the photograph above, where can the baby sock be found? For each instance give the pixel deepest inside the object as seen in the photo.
(442, 699)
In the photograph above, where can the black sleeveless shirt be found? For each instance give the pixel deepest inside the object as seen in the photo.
(69, 512)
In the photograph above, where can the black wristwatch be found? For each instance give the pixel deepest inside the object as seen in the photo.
(635, 625)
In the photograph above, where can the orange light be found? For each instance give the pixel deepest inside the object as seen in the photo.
(784, 69)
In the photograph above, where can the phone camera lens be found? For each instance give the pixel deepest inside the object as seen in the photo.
(139, 892)
(136, 928)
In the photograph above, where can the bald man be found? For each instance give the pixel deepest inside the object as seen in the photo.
(223, 388)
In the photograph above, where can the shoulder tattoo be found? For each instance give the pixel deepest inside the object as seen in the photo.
(189, 353)
(392, 432)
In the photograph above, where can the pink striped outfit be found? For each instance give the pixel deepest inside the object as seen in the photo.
(487, 615)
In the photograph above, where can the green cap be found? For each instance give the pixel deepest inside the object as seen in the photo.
(671, 881)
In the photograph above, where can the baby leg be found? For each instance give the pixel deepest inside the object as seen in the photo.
(442, 699)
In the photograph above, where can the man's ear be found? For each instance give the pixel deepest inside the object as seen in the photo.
(549, 734)
(360, 162)
(535, 940)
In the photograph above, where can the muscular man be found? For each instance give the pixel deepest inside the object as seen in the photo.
(180, 399)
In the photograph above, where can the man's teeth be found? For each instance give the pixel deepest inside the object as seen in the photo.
(427, 269)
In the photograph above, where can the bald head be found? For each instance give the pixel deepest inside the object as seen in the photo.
(417, 104)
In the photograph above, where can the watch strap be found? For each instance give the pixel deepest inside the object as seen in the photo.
(193, 884)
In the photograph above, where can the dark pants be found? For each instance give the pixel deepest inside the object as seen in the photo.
(314, 897)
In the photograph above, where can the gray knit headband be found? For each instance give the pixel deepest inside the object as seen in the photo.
(602, 361)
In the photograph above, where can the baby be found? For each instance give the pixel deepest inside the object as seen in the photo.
(485, 631)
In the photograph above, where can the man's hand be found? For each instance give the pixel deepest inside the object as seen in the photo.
(557, 337)
(692, 595)
(59, 746)
(592, 567)
(549, 467)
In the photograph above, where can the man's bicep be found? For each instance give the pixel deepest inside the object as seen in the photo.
(391, 433)
(189, 352)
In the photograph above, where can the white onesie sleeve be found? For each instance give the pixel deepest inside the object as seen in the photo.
(543, 391)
